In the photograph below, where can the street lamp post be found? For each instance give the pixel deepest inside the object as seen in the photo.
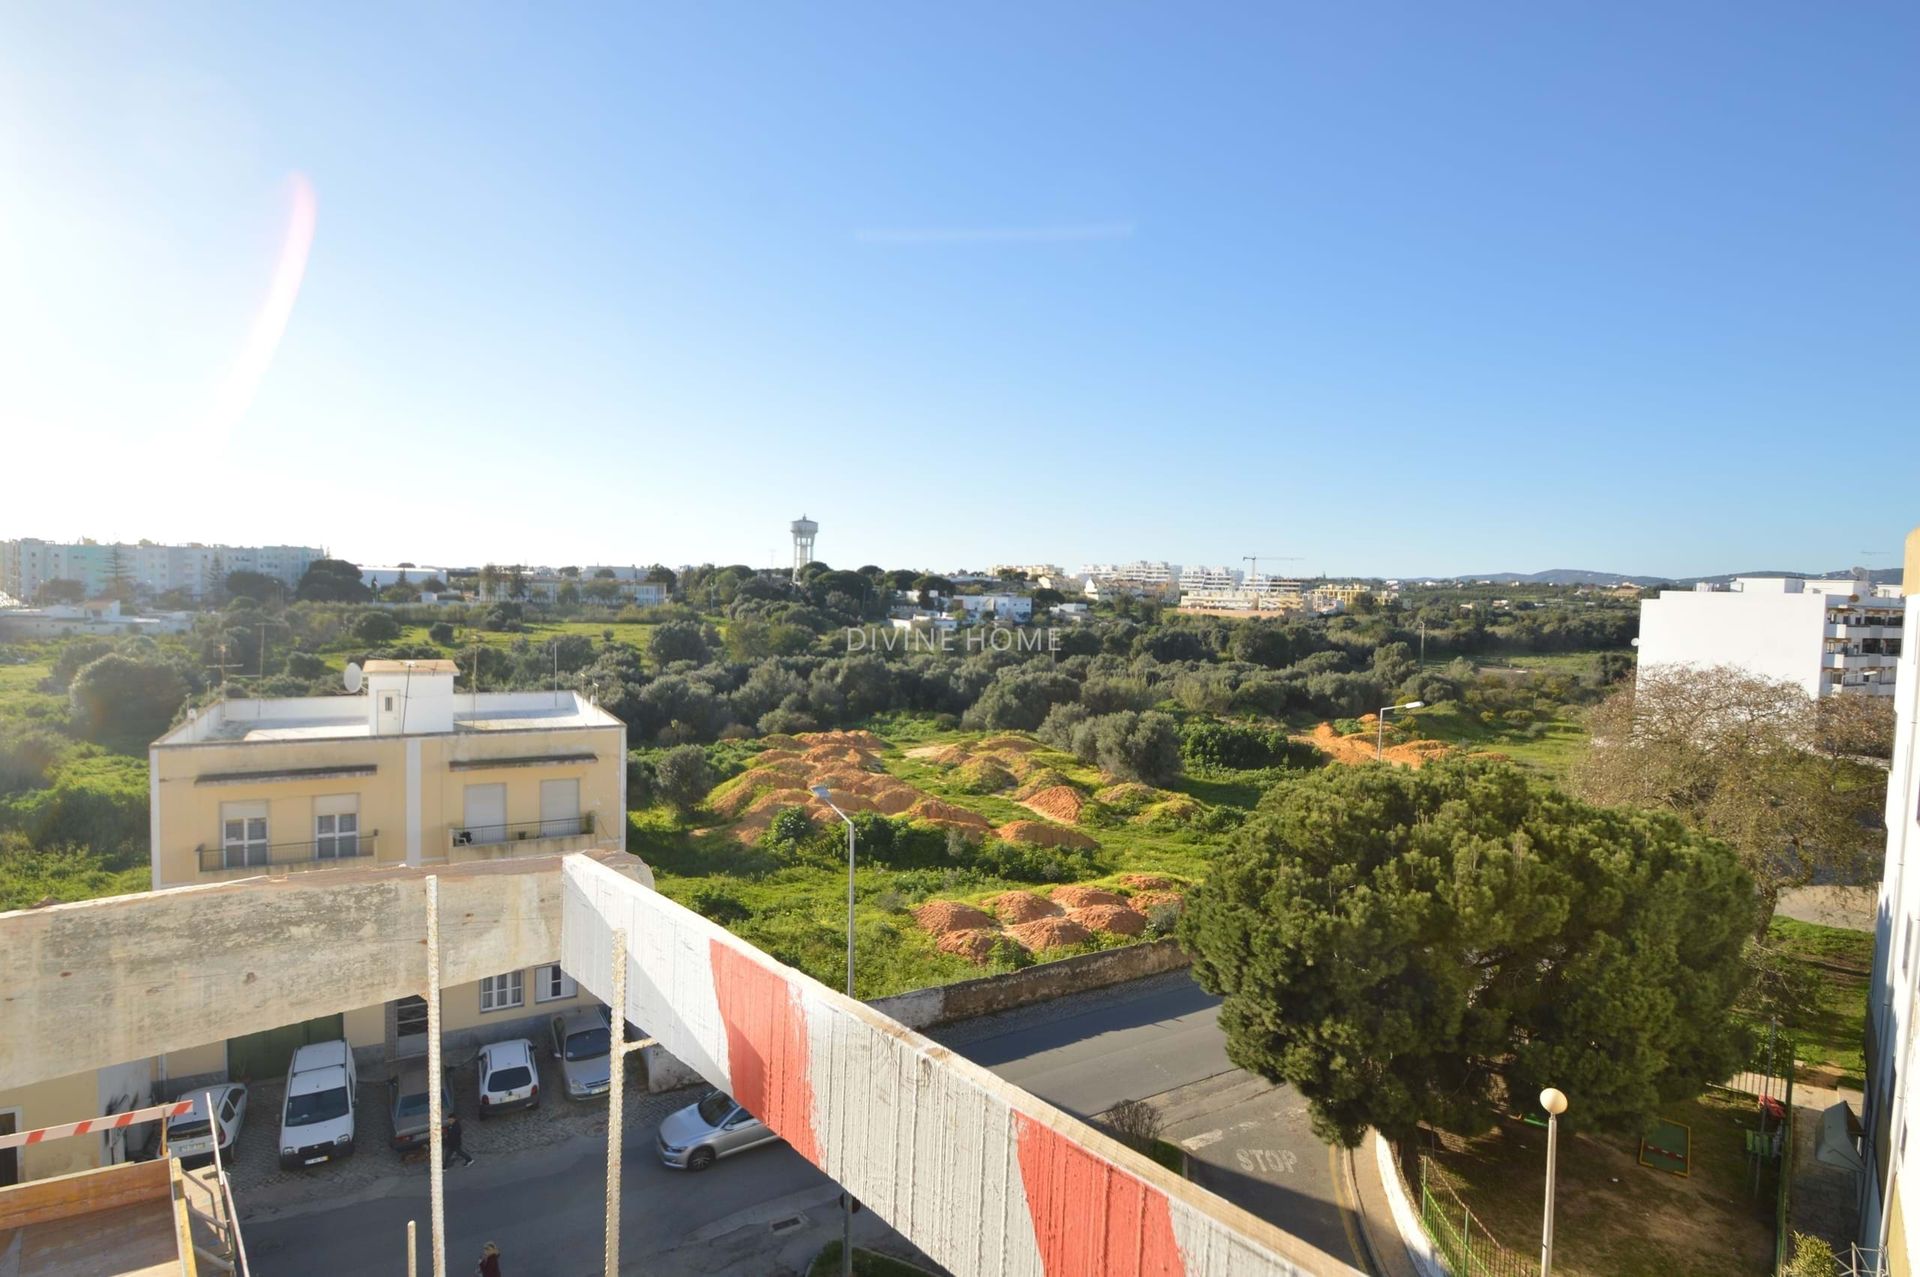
(846, 1199)
(1555, 1103)
(1380, 720)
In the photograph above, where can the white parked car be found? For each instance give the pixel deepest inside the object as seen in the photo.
(318, 1122)
(509, 1077)
(193, 1136)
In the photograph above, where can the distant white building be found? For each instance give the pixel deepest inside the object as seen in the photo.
(1206, 578)
(1883, 1153)
(612, 591)
(1268, 594)
(1822, 636)
(1031, 571)
(381, 577)
(101, 616)
(1142, 576)
(27, 563)
(1017, 608)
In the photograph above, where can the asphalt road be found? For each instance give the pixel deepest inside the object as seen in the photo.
(544, 1207)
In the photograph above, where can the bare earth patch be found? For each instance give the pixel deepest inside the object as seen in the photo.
(1040, 834)
(1022, 906)
(1078, 897)
(1049, 933)
(1114, 920)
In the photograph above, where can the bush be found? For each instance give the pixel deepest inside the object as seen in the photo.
(1135, 1123)
(683, 777)
(441, 632)
(1142, 747)
(123, 703)
(1163, 918)
(718, 906)
(376, 627)
(306, 665)
(791, 826)
(1812, 1257)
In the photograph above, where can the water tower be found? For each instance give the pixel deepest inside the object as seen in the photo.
(804, 530)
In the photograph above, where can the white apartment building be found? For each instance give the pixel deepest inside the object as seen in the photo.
(1259, 594)
(27, 563)
(1206, 578)
(1017, 608)
(1823, 636)
(379, 578)
(1142, 576)
(1031, 571)
(1888, 1152)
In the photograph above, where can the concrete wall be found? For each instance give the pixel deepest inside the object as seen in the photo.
(1780, 636)
(942, 1003)
(1890, 1208)
(51, 1102)
(983, 1177)
(98, 982)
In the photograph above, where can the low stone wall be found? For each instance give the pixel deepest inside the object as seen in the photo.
(943, 1003)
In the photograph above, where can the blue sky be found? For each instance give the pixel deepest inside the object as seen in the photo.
(1391, 288)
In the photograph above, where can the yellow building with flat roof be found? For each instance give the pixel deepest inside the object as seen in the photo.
(407, 770)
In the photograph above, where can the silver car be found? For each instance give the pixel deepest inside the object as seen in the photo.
(582, 1043)
(700, 1134)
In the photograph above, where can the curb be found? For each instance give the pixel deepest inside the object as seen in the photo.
(1420, 1252)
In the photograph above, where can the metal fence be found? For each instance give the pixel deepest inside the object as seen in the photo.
(1466, 1246)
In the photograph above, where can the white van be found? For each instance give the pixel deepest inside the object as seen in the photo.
(317, 1124)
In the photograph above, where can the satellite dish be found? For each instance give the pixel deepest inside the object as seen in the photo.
(352, 678)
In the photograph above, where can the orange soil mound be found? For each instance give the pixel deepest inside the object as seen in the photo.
(1360, 748)
(1049, 933)
(1058, 802)
(780, 740)
(935, 812)
(1016, 744)
(1147, 882)
(1080, 897)
(1043, 779)
(1145, 900)
(974, 946)
(896, 800)
(1115, 920)
(1130, 793)
(1040, 834)
(766, 756)
(943, 916)
(926, 751)
(862, 740)
(1022, 906)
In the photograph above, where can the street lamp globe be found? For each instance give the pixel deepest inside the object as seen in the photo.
(1553, 1102)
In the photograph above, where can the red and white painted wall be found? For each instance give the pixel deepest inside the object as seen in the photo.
(983, 1177)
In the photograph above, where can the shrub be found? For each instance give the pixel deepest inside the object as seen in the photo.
(441, 632)
(1135, 1123)
(123, 703)
(792, 826)
(683, 777)
(717, 905)
(306, 665)
(1812, 1257)
(1163, 918)
(376, 627)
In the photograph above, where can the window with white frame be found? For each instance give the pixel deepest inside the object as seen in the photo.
(551, 984)
(243, 834)
(503, 992)
(336, 826)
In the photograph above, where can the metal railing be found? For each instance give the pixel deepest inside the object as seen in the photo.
(1465, 1245)
(524, 831)
(344, 847)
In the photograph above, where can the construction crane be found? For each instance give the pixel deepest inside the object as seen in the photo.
(1253, 562)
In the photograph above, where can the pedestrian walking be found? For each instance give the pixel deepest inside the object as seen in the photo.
(451, 1139)
(489, 1261)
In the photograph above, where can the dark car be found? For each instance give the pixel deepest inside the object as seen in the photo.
(407, 1103)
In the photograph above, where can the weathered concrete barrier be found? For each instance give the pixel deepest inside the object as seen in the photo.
(981, 1176)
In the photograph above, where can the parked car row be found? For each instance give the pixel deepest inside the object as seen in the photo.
(318, 1120)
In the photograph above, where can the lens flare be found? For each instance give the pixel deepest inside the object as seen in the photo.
(249, 368)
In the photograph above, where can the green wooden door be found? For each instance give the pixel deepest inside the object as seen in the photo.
(262, 1056)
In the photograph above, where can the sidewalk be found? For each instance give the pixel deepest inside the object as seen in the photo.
(1825, 1201)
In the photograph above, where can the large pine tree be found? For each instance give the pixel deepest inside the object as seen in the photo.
(1436, 946)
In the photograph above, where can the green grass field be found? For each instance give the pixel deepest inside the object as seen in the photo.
(1833, 1036)
(1551, 751)
(536, 633)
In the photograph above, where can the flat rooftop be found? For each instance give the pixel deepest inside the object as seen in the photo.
(347, 717)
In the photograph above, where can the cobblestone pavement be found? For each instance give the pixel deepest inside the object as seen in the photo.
(262, 1187)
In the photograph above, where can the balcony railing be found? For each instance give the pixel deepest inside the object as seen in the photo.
(525, 831)
(281, 855)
